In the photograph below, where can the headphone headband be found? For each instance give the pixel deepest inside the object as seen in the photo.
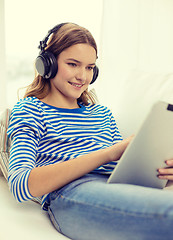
(43, 43)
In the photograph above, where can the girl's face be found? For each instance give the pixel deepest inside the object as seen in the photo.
(75, 72)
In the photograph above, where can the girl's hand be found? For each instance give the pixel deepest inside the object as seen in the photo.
(167, 172)
(115, 151)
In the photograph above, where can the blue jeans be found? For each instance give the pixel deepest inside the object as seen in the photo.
(91, 209)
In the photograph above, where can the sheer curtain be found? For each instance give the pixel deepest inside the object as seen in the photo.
(136, 34)
(3, 100)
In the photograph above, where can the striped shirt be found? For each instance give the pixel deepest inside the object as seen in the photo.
(42, 134)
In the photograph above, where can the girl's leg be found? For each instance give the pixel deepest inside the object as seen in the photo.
(91, 209)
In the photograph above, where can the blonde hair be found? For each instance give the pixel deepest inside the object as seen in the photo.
(67, 35)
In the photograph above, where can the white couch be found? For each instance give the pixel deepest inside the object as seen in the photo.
(134, 95)
(23, 220)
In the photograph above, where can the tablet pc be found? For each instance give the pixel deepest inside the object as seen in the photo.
(151, 146)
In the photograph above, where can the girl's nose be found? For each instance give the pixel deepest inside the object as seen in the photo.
(81, 74)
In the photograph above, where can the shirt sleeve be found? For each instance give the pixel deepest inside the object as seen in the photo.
(116, 135)
(25, 131)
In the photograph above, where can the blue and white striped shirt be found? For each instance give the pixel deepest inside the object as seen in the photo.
(42, 134)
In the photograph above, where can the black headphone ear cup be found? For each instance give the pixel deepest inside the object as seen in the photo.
(95, 74)
(46, 65)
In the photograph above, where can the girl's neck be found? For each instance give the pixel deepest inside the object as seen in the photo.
(60, 103)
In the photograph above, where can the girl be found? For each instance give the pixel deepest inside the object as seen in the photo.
(64, 146)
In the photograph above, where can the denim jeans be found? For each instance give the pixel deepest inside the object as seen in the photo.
(91, 209)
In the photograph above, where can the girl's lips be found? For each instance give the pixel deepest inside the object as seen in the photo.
(77, 85)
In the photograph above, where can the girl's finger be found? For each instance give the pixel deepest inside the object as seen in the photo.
(169, 162)
(168, 177)
(166, 171)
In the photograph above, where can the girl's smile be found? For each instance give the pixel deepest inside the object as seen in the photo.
(76, 85)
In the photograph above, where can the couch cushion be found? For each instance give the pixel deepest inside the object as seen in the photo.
(4, 142)
(134, 95)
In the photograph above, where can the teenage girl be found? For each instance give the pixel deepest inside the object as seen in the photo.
(64, 146)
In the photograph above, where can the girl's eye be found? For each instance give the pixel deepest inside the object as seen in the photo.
(90, 68)
(72, 64)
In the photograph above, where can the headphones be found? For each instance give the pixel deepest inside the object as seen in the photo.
(46, 63)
